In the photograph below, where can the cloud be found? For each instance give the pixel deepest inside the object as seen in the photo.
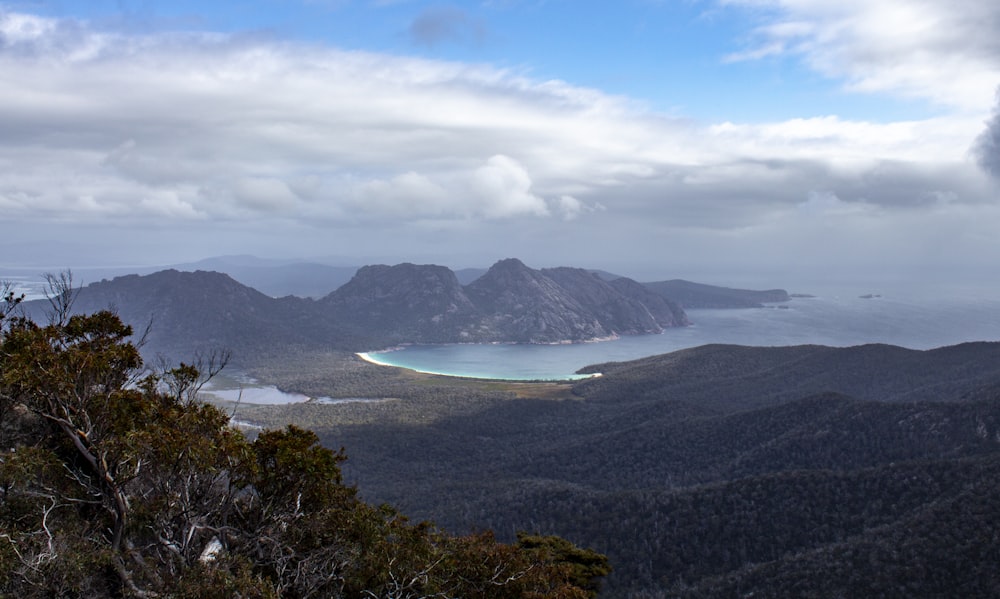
(825, 204)
(238, 126)
(307, 149)
(986, 148)
(502, 187)
(170, 205)
(264, 194)
(435, 25)
(945, 52)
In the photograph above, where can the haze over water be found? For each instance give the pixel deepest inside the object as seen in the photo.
(834, 321)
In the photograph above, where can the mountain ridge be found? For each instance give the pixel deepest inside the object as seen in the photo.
(381, 306)
(510, 302)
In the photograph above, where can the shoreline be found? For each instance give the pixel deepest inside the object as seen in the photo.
(367, 357)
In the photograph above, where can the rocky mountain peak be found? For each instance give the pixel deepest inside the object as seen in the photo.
(410, 281)
(407, 301)
(507, 273)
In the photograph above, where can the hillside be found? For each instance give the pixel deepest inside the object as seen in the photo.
(379, 306)
(192, 312)
(723, 467)
(405, 303)
(510, 302)
(727, 378)
(551, 305)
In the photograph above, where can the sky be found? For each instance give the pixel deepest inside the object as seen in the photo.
(752, 142)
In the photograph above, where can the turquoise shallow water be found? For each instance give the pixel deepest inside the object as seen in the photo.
(836, 321)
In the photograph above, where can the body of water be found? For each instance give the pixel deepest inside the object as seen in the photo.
(834, 321)
(248, 391)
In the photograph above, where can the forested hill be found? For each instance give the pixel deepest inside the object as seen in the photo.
(730, 471)
(726, 378)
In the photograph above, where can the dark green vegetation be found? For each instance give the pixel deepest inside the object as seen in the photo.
(718, 471)
(117, 482)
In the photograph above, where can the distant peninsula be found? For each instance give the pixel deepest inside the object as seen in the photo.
(698, 295)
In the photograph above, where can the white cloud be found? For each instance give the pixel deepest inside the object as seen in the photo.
(161, 131)
(16, 28)
(943, 51)
(502, 187)
(257, 126)
(171, 205)
(570, 207)
(834, 140)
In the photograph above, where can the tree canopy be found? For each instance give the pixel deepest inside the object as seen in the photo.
(116, 481)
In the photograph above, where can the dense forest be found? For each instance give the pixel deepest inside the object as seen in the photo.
(116, 481)
(718, 471)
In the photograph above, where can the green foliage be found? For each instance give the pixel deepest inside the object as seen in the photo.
(115, 482)
(584, 568)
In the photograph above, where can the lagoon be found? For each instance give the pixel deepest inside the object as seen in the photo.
(237, 388)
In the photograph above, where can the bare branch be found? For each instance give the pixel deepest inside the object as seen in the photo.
(141, 341)
(61, 295)
(185, 382)
(9, 299)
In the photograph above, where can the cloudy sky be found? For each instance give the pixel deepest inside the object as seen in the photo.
(740, 141)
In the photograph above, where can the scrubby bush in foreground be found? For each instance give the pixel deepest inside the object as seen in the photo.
(116, 482)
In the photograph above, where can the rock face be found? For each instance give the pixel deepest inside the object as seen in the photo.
(407, 302)
(569, 304)
(667, 313)
(524, 305)
(509, 303)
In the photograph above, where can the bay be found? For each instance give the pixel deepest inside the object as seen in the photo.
(841, 321)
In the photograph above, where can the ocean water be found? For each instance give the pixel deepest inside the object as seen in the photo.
(916, 323)
(31, 286)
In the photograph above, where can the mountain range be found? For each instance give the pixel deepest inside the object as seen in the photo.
(316, 279)
(509, 303)
(384, 305)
